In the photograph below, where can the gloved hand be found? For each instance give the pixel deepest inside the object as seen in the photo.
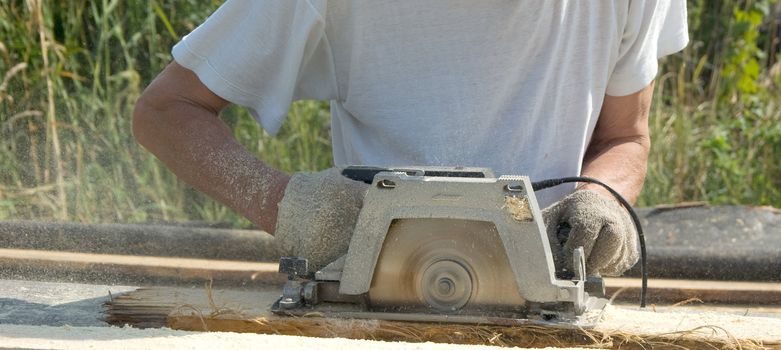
(317, 216)
(600, 225)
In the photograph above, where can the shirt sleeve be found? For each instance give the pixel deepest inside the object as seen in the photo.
(261, 54)
(654, 29)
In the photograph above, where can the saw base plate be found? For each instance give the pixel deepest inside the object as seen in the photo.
(587, 320)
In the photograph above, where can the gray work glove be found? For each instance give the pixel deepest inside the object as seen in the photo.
(317, 216)
(600, 225)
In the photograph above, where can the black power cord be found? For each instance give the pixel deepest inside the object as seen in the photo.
(541, 185)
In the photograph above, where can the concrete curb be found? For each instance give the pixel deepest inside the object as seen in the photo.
(739, 243)
(144, 240)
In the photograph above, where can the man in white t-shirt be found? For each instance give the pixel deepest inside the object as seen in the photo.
(540, 88)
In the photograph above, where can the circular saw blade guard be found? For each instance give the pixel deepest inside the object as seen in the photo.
(452, 247)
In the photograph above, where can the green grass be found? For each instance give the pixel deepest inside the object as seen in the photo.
(716, 122)
(69, 154)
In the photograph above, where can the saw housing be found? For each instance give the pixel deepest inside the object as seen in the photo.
(445, 244)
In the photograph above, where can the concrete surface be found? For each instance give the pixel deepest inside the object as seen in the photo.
(54, 304)
(67, 338)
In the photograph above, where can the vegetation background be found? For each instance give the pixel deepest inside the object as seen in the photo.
(71, 70)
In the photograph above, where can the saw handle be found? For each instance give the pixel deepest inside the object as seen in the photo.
(541, 185)
(366, 174)
(363, 174)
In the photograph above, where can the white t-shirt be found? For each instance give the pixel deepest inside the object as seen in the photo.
(513, 85)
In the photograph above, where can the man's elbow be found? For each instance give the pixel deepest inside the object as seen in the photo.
(143, 120)
(641, 143)
(644, 141)
(153, 117)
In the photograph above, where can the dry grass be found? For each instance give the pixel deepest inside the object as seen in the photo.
(71, 72)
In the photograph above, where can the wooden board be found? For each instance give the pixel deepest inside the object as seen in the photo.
(248, 311)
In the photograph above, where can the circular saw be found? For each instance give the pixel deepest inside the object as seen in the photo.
(445, 244)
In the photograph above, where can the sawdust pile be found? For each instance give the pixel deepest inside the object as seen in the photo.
(614, 332)
(518, 208)
(221, 319)
(528, 336)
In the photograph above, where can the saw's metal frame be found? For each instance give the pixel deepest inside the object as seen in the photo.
(508, 203)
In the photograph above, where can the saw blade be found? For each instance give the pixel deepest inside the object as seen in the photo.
(443, 266)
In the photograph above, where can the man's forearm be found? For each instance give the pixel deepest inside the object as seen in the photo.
(618, 152)
(621, 165)
(200, 149)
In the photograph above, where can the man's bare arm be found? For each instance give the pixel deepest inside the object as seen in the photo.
(176, 119)
(618, 153)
